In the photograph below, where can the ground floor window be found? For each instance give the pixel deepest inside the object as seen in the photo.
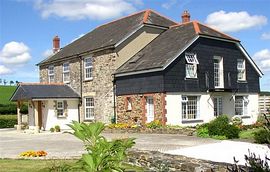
(60, 108)
(150, 113)
(241, 103)
(89, 108)
(218, 103)
(190, 107)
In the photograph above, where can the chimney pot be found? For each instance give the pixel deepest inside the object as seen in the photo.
(56, 44)
(185, 17)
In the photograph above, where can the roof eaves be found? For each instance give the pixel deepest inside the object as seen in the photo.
(11, 98)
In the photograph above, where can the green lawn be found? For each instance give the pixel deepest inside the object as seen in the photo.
(23, 165)
(6, 92)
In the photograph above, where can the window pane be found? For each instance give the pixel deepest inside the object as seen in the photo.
(66, 76)
(191, 71)
(65, 67)
(88, 62)
(190, 108)
(216, 73)
(239, 105)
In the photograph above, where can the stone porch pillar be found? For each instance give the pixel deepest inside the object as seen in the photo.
(19, 116)
(37, 127)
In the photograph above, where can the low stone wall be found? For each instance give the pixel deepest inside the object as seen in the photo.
(156, 161)
(182, 131)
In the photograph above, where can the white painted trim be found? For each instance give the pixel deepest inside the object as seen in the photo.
(249, 59)
(126, 37)
(155, 26)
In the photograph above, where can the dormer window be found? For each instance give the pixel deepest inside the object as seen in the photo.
(66, 76)
(51, 73)
(241, 70)
(88, 66)
(191, 65)
(218, 72)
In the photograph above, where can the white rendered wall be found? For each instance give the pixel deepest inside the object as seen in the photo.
(50, 119)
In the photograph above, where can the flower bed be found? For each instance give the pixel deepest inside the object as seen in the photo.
(32, 153)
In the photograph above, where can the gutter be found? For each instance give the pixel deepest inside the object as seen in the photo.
(80, 99)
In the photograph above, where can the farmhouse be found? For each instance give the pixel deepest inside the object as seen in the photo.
(141, 68)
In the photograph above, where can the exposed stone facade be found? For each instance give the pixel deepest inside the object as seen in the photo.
(139, 111)
(100, 87)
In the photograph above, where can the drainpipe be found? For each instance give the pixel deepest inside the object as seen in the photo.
(80, 99)
(114, 101)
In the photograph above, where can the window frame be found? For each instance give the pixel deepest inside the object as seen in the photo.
(241, 70)
(90, 67)
(90, 107)
(66, 72)
(244, 105)
(60, 109)
(219, 106)
(221, 73)
(128, 104)
(51, 73)
(185, 100)
(191, 65)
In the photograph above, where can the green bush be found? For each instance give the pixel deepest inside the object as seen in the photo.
(57, 128)
(24, 109)
(8, 121)
(202, 130)
(102, 155)
(262, 136)
(221, 127)
(8, 109)
(52, 129)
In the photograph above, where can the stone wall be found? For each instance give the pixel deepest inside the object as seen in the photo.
(156, 161)
(74, 65)
(101, 86)
(138, 108)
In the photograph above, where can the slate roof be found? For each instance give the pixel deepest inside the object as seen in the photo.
(107, 35)
(30, 91)
(162, 50)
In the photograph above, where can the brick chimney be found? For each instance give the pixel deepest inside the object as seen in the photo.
(56, 44)
(185, 16)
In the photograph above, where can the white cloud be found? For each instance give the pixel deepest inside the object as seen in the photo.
(85, 9)
(16, 53)
(234, 21)
(266, 36)
(47, 53)
(4, 70)
(263, 59)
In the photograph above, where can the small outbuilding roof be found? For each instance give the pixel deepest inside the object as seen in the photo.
(29, 91)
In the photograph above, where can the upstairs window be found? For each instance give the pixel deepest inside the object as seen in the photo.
(89, 108)
(241, 70)
(51, 73)
(218, 72)
(66, 75)
(190, 107)
(88, 69)
(191, 65)
(241, 103)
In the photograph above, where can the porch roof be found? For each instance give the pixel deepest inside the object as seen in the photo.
(29, 91)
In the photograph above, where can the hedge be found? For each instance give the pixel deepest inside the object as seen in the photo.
(12, 109)
(8, 121)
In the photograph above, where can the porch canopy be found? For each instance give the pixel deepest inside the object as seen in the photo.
(35, 92)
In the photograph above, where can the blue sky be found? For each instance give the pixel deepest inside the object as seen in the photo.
(28, 26)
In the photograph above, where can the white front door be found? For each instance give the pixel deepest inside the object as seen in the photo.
(149, 109)
(218, 106)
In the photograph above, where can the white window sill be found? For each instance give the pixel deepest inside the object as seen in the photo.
(242, 81)
(89, 119)
(245, 116)
(186, 78)
(88, 79)
(62, 117)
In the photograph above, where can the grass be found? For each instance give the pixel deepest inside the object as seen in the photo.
(24, 165)
(248, 134)
(6, 92)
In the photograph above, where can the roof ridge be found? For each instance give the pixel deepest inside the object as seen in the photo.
(179, 24)
(146, 15)
(196, 27)
(41, 83)
(121, 18)
(219, 32)
(150, 10)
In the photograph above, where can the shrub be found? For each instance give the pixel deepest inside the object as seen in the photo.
(52, 129)
(24, 109)
(154, 124)
(119, 125)
(262, 136)
(221, 127)
(102, 155)
(237, 120)
(8, 109)
(202, 130)
(57, 128)
(8, 121)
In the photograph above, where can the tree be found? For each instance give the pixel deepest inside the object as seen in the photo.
(17, 82)
(11, 82)
(5, 81)
(0, 81)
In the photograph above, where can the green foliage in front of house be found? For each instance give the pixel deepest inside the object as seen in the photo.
(8, 121)
(102, 155)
